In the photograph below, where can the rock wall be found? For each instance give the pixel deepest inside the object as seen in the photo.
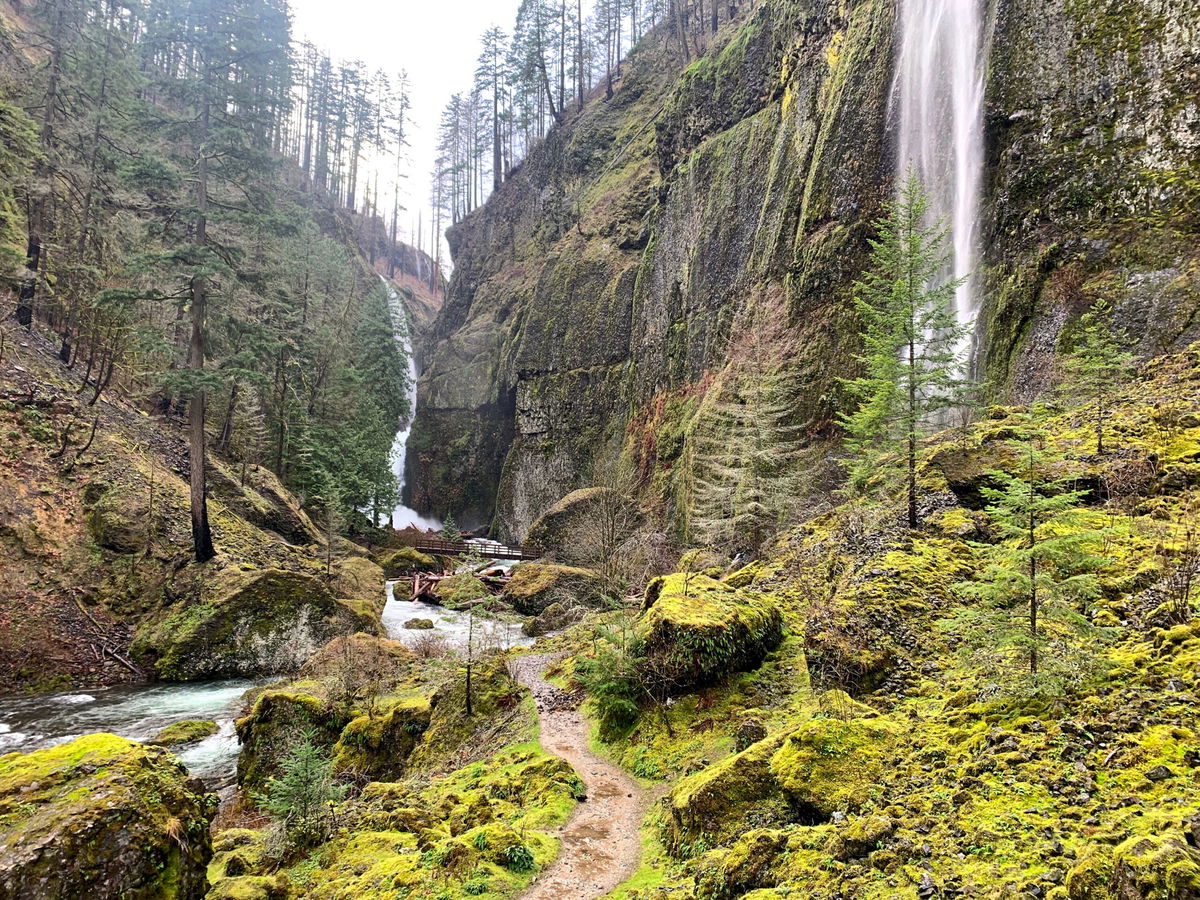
(601, 288)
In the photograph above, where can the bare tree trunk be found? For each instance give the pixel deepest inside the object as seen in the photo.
(201, 533)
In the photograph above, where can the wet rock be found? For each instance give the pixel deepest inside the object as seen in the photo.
(750, 731)
(99, 817)
(419, 624)
(1160, 773)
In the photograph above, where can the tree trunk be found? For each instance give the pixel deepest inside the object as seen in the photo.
(202, 545)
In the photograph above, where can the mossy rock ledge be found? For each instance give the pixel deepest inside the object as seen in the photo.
(555, 530)
(181, 734)
(534, 587)
(697, 629)
(250, 624)
(102, 816)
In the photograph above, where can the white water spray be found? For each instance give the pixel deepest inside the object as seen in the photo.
(939, 90)
(404, 516)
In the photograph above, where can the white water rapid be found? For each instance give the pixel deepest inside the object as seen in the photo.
(403, 516)
(939, 90)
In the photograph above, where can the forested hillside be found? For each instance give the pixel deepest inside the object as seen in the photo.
(187, 236)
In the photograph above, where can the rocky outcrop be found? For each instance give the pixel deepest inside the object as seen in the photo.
(601, 289)
(536, 586)
(250, 624)
(102, 817)
(698, 630)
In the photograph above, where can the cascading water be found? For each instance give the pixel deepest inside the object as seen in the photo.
(403, 516)
(939, 90)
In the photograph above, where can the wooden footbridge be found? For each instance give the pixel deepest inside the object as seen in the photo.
(436, 546)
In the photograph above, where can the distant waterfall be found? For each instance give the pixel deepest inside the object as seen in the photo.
(939, 91)
(403, 516)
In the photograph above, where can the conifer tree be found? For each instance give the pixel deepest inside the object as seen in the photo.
(913, 365)
(1038, 572)
(302, 796)
(1098, 367)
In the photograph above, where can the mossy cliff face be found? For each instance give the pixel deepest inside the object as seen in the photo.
(601, 288)
(612, 266)
(1093, 134)
(102, 817)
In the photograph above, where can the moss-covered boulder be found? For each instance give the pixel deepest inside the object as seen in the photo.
(556, 531)
(249, 624)
(1139, 868)
(697, 630)
(376, 746)
(357, 658)
(534, 587)
(407, 561)
(116, 517)
(275, 722)
(725, 799)
(180, 734)
(359, 583)
(554, 617)
(830, 765)
(258, 496)
(102, 816)
(460, 590)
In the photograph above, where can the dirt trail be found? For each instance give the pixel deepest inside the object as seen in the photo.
(601, 847)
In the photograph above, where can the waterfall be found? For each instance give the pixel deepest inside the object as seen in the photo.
(403, 516)
(939, 89)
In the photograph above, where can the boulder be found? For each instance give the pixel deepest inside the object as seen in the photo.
(419, 624)
(554, 532)
(555, 617)
(407, 561)
(363, 654)
(697, 630)
(116, 517)
(460, 590)
(277, 718)
(725, 799)
(828, 765)
(360, 583)
(535, 586)
(261, 500)
(376, 747)
(180, 734)
(1140, 868)
(102, 816)
(249, 624)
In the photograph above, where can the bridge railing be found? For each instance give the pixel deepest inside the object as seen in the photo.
(441, 547)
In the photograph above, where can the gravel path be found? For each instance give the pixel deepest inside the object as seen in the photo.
(601, 846)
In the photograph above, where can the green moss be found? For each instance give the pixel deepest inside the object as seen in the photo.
(187, 732)
(102, 816)
(697, 629)
(535, 586)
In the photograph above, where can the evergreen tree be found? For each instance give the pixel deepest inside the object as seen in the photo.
(450, 530)
(913, 365)
(301, 798)
(1037, 573)
(1098, 367)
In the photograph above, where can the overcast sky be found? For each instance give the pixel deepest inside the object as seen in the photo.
(436, 41)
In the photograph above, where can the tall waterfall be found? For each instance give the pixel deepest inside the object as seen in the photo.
(403, 516)
(939, 90)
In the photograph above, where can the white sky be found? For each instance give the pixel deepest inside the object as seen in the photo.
(436, 41)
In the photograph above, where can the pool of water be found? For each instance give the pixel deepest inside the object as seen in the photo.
(137, 712)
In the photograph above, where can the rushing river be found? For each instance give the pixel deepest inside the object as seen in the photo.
(137, 712)
(449, 625)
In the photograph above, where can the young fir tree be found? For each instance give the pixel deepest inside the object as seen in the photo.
(912, 360)
(302, 796)
(450, 530)
(1098, 367)
(1038, 572)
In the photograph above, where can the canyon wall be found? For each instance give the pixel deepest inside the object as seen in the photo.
(606, 285)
